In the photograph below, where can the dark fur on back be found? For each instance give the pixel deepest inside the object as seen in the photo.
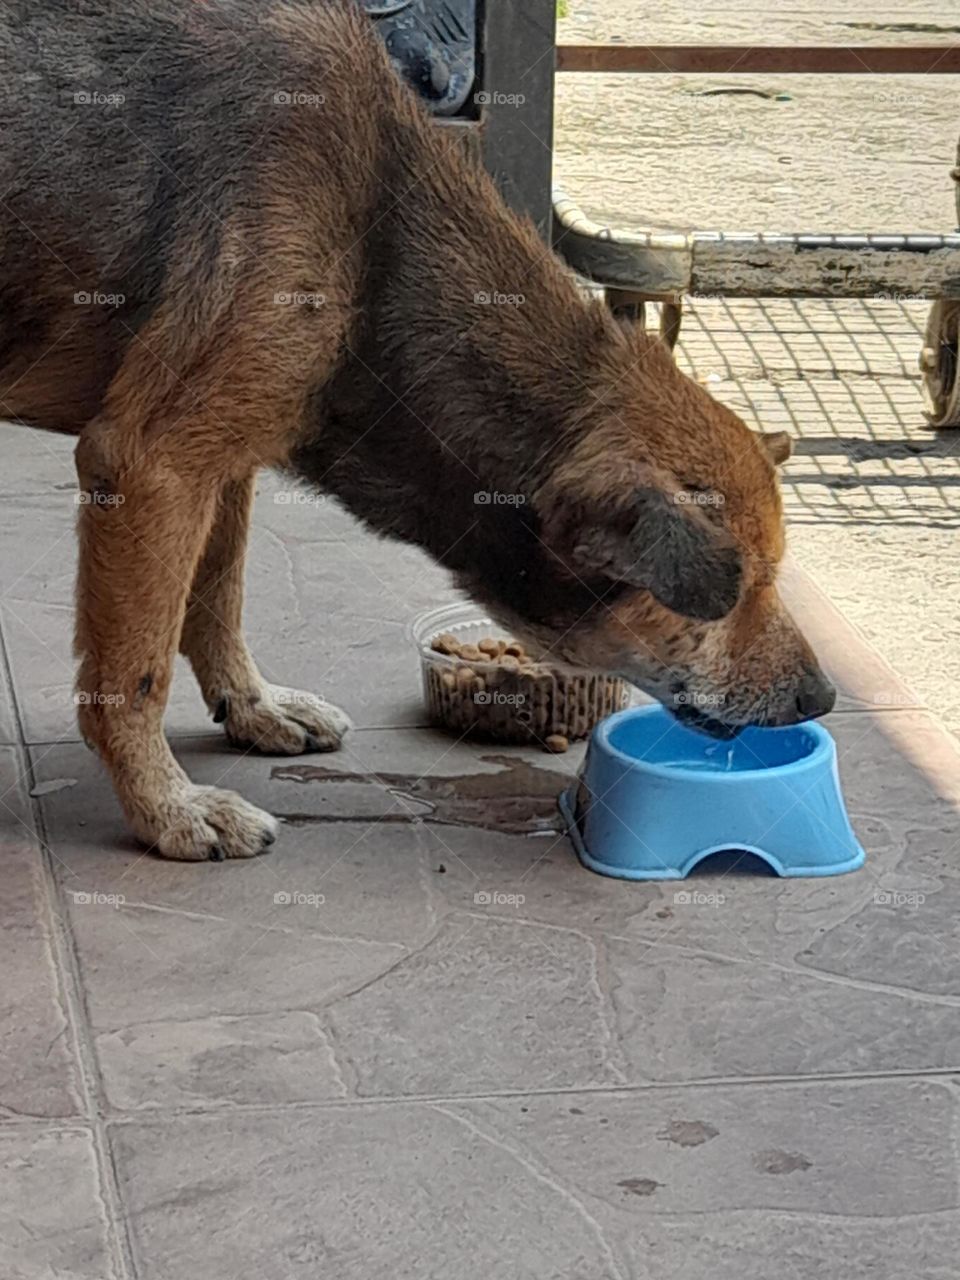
(133, 142)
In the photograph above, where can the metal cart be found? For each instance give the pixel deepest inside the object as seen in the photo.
(649, 266)
(487, 68)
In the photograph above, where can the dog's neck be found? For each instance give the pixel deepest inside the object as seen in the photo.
(464, 376)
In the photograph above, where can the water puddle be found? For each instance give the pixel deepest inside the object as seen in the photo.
(519, 799)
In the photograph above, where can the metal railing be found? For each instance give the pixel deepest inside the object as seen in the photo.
(640, 266)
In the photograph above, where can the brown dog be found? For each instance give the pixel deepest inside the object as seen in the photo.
(230, 239)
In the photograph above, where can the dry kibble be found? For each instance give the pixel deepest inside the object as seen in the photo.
(494, 689)
(445, 643)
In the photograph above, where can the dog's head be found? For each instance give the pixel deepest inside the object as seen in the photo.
(652, 551)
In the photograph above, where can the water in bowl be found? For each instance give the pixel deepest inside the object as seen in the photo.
(660, 740)
(716, 759)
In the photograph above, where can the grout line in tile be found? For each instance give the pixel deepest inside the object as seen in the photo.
(851, 1079)
(71, 994)
(71, 983)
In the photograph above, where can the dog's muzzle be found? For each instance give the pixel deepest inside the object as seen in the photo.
(693, 718)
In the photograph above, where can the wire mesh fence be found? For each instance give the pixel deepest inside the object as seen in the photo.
(842, 378)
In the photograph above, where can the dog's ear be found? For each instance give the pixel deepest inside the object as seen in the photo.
(777, 445)
(667, 546)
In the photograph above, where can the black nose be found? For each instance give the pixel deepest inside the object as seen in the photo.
(815, 697)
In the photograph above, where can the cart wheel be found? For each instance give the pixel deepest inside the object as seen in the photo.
(939, 361)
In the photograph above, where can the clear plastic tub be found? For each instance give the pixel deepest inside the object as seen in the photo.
(485, 699)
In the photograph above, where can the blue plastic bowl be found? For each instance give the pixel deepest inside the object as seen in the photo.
(655, 798)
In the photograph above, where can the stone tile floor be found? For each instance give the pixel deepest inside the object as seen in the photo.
(418, 1039)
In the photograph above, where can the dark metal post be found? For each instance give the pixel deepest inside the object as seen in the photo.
(516, 85)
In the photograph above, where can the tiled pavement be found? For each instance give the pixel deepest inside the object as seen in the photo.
(338, 1062)
(198, 1082)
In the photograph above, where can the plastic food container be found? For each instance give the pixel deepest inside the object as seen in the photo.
(484, 699)
(654, 798)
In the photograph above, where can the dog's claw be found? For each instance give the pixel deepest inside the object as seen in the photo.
(268, 838)
(217, 854)
(222, 710)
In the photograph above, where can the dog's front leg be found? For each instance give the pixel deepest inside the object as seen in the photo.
(269, 718)
(146, 514)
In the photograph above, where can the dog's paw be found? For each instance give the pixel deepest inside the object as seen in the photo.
(284, 722)
(200, 823)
